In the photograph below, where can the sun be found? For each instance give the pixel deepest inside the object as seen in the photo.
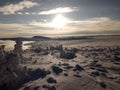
(59, 21)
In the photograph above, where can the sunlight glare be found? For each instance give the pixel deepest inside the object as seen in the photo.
(59, 21)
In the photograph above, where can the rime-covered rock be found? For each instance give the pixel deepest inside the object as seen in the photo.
(8, 69)
(2, 52)
(62, 54)
(18, 50)
(18, 46)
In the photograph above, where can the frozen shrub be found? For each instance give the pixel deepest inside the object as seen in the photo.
(95, 73)
(41, 51)
(59, 47)
(77, 75)
(67, 54)
(102, 84)
(75, 49)
(27, 88)
(44, 52)
(70, 55)
(117, 58)
(102, 69)
(45, 86)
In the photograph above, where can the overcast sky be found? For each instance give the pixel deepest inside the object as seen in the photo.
(32, 17)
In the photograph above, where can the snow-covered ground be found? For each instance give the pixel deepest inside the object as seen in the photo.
(95, 66)
(99, 59)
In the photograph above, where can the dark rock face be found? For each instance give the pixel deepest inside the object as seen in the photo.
(49, 87)
(51, 80)
(65, 74)
(78, 68)
(56, 69)
(37, 73)
(52, 88)
(32, 88)
(28, 74)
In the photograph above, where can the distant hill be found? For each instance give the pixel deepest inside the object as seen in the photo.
(86, 37)
(75, 38)
(34, 38)
(40, 37)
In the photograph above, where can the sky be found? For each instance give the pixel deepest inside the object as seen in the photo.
(25, 18)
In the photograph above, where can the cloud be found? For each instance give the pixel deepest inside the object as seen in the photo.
(13, 8)
(59, 10)
(19, 30)
(89, 26)
(101, 24)
(18, 7)
(26, 13)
